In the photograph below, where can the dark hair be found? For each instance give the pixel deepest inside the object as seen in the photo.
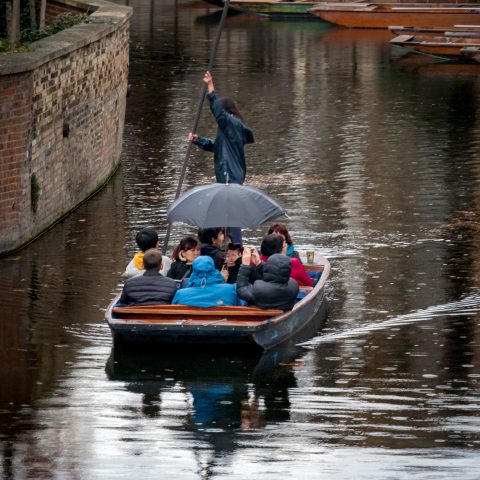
(146, 239)
(152, 259)
(205, 235)
(271, 244)
(236, 247)
(230, 106)
(186, 243)
(282, 230)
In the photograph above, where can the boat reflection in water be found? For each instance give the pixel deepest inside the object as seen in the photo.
(413, 63)
(222, 391)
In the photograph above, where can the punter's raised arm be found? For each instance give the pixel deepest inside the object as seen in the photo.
(208, 80)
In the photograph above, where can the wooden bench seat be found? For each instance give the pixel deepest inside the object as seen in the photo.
(178, 312)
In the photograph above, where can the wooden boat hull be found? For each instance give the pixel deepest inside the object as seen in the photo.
(383, 15)
(241, 326)
(465, 31)
(282, 8)
(441, 46)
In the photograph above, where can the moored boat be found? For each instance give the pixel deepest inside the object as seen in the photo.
(296, 8)
(221, 326)
(438, 45)
(455, 31)
(382, 15)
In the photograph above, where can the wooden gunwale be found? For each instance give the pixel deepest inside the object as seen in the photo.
(446, 46)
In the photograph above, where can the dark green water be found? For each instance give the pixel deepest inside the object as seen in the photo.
(376, 157)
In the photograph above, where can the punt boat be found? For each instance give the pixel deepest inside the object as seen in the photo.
(296, 8)
(178, 325)
(456, 30)
(382, 15)
(439, 45)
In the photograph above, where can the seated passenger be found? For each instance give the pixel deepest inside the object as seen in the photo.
(272, 244)
(205, 287)
(281, 229)
(233, 261)
(146, 238)
(151, 287)
(183, 256)
(211, 244)
(276, 290)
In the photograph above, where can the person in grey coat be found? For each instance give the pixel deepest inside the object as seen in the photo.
(275, 290)
(151, 287)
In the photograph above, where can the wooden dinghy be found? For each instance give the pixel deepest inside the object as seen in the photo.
(382, 15)
(222, 326)
(441, 45)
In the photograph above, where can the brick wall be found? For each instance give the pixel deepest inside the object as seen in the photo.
(61, 124)
(15, 124)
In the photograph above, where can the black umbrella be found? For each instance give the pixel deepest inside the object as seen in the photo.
(224, 205)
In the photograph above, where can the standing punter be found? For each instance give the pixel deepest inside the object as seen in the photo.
(228, 146)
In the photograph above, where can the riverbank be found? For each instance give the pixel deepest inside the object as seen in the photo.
(62, 113)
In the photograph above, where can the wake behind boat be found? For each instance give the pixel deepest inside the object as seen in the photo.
(221, 326)
(382, 15)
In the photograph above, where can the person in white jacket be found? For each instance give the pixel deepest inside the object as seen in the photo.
(146, 238)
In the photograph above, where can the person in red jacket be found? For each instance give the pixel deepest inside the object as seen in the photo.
(272, 244)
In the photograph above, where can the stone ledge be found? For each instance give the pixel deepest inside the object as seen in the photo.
(105, 19)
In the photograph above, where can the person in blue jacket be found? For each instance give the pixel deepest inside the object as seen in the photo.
(228, 146)
(206, 287)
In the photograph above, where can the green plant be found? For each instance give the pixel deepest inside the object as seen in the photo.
(62, 23)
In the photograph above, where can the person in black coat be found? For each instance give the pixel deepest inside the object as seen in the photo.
(233, 262)
(151, 287)
(211, 244)
(183, 255)
(275, 290)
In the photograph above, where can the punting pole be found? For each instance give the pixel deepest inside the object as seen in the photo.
(213, 54)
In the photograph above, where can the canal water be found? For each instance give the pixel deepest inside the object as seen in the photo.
(376, 157)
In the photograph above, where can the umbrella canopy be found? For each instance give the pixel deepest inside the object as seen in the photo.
(224, 205)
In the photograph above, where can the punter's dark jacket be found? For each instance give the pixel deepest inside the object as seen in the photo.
(228, 146)
(214, 252)
(275, 290)
(147, 289)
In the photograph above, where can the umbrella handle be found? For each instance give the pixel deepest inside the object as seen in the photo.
(213, 54)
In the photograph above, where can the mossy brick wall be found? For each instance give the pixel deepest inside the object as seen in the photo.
(61, 124)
